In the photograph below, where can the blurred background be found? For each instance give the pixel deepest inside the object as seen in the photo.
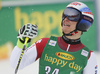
(47, 14)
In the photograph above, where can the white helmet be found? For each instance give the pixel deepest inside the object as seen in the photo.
(78, 11)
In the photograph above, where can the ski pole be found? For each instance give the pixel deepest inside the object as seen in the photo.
(26, 40)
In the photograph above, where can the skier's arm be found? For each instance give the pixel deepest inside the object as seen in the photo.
(91, 67)
(29, 31)
(29, 57)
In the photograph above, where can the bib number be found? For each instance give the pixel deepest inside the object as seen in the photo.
(48, 69)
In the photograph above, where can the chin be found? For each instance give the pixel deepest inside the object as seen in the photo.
(66, 32)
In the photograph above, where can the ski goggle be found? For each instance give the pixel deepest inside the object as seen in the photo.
(71, 14)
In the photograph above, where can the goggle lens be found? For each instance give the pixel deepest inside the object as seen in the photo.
(71, 14)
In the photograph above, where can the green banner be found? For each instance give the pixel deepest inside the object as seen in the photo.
(48, 19)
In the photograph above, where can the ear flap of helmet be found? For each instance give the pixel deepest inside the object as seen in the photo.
(83, 25)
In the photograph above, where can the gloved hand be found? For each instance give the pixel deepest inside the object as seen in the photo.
(27, 30)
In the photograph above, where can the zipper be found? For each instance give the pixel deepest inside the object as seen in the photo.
(68, 47)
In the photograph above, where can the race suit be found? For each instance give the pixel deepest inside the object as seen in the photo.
(58, 55)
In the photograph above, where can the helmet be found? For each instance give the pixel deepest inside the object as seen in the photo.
(78, 11)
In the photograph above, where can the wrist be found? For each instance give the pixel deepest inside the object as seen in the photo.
(20, 44)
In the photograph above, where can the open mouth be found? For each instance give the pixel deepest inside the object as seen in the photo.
(66, 25)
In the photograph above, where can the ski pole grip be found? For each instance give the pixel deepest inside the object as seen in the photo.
(26, 40)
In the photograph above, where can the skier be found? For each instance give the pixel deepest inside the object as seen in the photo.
(59, 55)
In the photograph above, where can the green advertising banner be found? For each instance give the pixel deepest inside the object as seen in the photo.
(48, 19)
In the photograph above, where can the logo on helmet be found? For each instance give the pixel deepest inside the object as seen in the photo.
(88, 13)
(87, 18)
(86, 10)
(75, 3)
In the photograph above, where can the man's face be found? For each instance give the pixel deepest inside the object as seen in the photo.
(68, 26)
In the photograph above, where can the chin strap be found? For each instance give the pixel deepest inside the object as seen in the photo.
(71, 41)
(71, 33)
